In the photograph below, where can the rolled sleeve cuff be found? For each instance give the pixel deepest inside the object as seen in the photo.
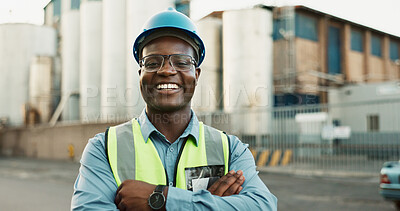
(178, 199)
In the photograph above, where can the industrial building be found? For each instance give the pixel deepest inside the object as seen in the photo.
(80, 74)
(27, 50)
(314, 51)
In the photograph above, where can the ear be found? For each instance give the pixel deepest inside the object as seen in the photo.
(197, 73)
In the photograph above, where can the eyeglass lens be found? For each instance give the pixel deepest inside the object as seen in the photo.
(179, 62)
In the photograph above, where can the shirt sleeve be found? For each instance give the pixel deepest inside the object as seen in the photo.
(95, 187)
(254, 195)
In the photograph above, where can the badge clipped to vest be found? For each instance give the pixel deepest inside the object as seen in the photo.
(202, 177)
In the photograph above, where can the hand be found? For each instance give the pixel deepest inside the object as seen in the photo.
(133, 195)
(230, 184)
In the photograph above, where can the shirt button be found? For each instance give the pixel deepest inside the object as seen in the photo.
(171, 149)
(171, 183)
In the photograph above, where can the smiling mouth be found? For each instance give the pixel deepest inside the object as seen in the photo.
(167, 86)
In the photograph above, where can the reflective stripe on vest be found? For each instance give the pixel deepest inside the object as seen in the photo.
(128, 163)
(130, 157)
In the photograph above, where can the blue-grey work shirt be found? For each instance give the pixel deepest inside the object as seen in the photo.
(95, 187)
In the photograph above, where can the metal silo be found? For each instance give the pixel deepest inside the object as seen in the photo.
(19, 44)
(70, 60)
(247, 66)
(41, 89)
(137, 12)
(208, 91)
(90, 59)
(113, 77)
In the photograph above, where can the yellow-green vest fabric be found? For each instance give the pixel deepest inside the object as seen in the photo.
(130, 157)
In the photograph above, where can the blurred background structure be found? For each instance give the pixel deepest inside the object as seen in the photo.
(302, 87)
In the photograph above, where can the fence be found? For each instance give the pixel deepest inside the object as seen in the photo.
(313, 137)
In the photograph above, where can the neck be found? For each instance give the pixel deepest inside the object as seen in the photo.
(170, 124)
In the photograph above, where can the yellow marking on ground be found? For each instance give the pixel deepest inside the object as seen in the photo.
(286, 157)
(275, 158)
(262, 160)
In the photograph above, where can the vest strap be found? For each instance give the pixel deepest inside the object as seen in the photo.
(130, 157)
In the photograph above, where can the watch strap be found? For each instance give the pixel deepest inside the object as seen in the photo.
(160, 188)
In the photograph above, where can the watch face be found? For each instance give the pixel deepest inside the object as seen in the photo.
(156, 200)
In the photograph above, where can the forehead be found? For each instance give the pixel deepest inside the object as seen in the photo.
(166, 46)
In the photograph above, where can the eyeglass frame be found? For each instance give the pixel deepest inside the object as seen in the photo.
(192, 60)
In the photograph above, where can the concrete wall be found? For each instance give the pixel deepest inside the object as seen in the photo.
(278, 64)
(393, 71)
(376, 72)
(307, 58)
(356, 67)
(352, 105)
(48, 142)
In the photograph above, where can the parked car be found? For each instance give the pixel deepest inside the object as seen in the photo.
(389, 186)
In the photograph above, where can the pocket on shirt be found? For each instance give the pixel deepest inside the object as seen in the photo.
(202, 177)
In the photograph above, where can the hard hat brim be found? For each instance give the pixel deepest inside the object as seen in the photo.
(195, 41)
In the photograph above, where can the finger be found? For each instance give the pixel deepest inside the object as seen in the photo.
(239, 189)
(233, 188)
(118, 196)
(117, 199)
(214, 186)
(226, 183)
(121, 206)
(119, 187)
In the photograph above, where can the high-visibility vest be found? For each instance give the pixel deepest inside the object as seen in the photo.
(130, 157)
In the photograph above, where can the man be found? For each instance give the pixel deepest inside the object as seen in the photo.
(167, 159)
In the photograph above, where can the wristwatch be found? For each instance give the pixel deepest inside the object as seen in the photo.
(157, 198)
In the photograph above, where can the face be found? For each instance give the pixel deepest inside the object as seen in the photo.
(168, 90)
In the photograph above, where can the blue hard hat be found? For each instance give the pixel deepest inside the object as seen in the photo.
(170, 20)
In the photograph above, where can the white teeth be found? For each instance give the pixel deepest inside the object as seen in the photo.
(167, 86)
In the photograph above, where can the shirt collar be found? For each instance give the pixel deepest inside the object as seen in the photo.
(147, 128)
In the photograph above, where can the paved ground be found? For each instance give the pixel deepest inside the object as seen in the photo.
(306, 192)
(47, 185)
(36, 184)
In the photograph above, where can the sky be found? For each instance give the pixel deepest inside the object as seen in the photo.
(22, 11)
(383, 15)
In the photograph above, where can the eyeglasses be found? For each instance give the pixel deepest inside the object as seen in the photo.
(180, 62)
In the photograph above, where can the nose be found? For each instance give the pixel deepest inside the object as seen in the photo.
(166, 69)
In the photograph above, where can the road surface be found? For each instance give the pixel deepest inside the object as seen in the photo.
(39, 185)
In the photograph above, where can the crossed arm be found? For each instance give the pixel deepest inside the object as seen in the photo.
(95, 187)
(133, 194)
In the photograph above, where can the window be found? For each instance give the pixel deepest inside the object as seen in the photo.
(75, 4)
(376, 46)
(56, 7)
(336, 122)
(373, 123)
(394, 50)
(306, 27)
(295, 99)
(357, 40)
(183, 7)
(334, 51)
(279, 24)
